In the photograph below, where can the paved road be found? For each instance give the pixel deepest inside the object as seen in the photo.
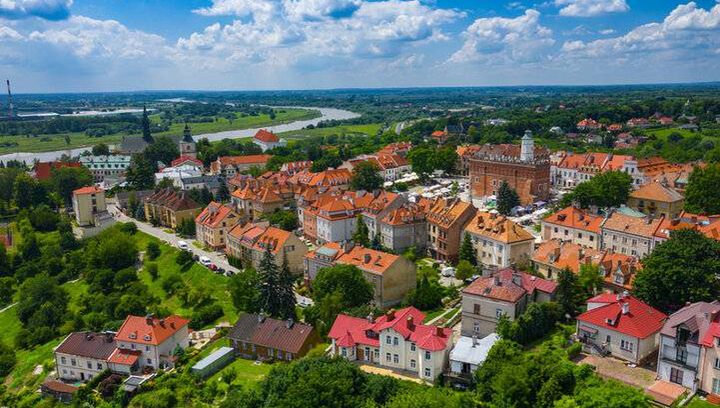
(218, 258)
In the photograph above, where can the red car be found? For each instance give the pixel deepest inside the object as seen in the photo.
(212, 267)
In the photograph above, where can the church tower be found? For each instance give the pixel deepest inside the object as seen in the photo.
(527, 147)
(187, 144)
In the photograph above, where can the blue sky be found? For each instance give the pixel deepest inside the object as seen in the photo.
(114, 45)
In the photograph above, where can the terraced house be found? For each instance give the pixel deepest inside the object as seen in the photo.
(499, 242)
(213, 224)
(250, 241)
(656, 199)
(446, 219)
(630, 235)
(169, 208)
(574, 225)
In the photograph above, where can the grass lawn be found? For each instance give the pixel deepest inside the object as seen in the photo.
(698, 403)
(45, 143)
(369, 129)
(431, 314)
(663, 134)
(247, 372)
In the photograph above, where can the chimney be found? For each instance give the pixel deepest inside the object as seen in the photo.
(172, 325)
(517, 279)
(474, 340)
(625, 308)
(496, 280)
(390, 314)
(260, 317)
(289, 323)
(439, 331)
(371, 318)
(162, 322)
(149, 319)
(366, 258)
(410, 323)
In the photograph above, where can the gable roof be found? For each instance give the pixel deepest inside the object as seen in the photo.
(573, 217)
(695, 316)
(349, 331)
(43, 170)
(640, 320)
(186, 159)
(214, 214)
(271, 333)
(265, 136)
(509, 286)
(656, 191)
(88, 190)
(88, 344)
(368, 260)
(149, 330)
(174, 200)
(641, 226)
(498, 228)
(446, 212)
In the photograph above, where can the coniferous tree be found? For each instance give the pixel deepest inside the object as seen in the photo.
(146, 135)
(376, 243)
(286, 295)
(275, 288)
(360, 237)
(568, 291)
(467, 252)
(507, 199)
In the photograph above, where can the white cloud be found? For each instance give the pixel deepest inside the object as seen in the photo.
(687, 31)
(7, 33)
(46, 9)
(590, 8)
(314, 10)
(506, 40)
(607, 31)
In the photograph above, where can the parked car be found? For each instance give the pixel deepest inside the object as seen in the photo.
(221, 270)
(304, 302)
(448, 271)
(212, 267)
(196, 257)
(205, 261)
(183, 245)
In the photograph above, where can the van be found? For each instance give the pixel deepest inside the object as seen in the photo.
(183, 245)
(205, 261)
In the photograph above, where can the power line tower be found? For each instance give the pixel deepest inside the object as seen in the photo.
(11, 114)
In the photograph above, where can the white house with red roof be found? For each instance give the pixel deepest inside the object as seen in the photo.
(148, 342)
(620, 325)
(396, 340)
(267, 140)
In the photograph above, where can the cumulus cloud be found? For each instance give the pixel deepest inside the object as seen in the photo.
(506, 40)
(7, 33)
(688, 31)
(46, 9)
(315, 10)
(591, 8)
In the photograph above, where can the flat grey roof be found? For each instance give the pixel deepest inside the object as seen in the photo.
(213, 357)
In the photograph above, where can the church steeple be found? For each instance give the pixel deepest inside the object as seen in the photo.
(187, 144)
(187, 135)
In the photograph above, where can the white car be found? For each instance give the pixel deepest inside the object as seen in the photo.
(205, 261)
(183, 245)
(448, 271)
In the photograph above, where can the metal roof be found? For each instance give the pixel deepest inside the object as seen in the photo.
(212, 358)
(465, 352)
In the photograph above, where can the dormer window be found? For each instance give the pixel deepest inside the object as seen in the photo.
(146, 337)
(133, 336)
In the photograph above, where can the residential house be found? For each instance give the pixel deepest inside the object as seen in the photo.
(88, 204)
(622, 326)
(43, 170)
(638, 123)
(574, 225)
(710, 366)
(588, 124)
(212, 183)
(468, 354)
(249, 242)
(398, 148)
(397, 340)
(629, 235)
(391, 276)
(148, 342)
(708, 225)
(83, 355)
(113, 167)
(573, 169)
(404, 227)
(446, 219)
(257, 337)
(295, 167)
(267, 140)
(382, 203)
(169, 208)
(337, 178)
(177, 173)
(499, 242)
(213, 224)
(229, 166)
(656, 199)
(505, 292)
(440, 136)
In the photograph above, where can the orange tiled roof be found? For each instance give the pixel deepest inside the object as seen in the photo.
(239, 160)
(267, 137)
(407, 214)
(656, 191)
(446, 212)
(88, 190)
(572, 217)
(641, 226)
(561, 255)
(273, 237)
(214, 214)
(368, 259)
(149, 330)
(498, 228)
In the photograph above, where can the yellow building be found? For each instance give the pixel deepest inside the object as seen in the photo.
(214, 223)
(87, 203)
(169, 208)
(656, 199)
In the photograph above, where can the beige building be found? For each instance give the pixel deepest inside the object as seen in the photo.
(88, 202)
(249, 242)
(629, 235)
(169, 208)
(446, 219)
(499, 242)
(214, 223)
(621, 326)
(656, 199)
(83, 355)
(574, 225)
(505, 292)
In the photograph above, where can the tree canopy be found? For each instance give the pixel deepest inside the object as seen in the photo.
(507, 199)
(366, 176)
(702, 195)
(608, 189)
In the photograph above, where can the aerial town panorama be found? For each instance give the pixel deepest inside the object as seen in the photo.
(360, 203)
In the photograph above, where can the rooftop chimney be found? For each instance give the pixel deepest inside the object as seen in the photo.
(366, 258)
(390, 314)
(371, 318)
(439, 331)
(517, 279)
(149, 319)
(474, 340)
(625, 308)
(410, 323)
(496, 280)
(289, 323)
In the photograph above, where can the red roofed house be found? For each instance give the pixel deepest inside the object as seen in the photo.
(148, 342)
(574, 225)
(43, 170)
(440, 136)
(396, 340)
(88, 203)
(622, 326)
(267, 140)
(505, 292)
(186, 160)
(213, 224)
(258, 337)
(248, 242)
(588, 124)
(229, 166)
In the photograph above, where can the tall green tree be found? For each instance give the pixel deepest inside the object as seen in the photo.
(244, 288)
(702, 195)
(467, 252)
(507, 199)
(366, 176)
(361, 236)
(421, 159)
(682, 269)
(145, 125)
(275, 288)
(608, 189)
(141, 173)
(67, 179)
(568, 293)
(347, 281)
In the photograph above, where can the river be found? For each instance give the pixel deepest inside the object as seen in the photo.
(326, 114)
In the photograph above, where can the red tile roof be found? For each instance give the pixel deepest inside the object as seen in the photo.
(150, 330)
(267, 137)
(501, 286)
(214, 214)
(250, 159)
(43, 170)
(368, 260)
(640, 321)
(124, 357)
(184, 159)
(349, 331)
(88, 190)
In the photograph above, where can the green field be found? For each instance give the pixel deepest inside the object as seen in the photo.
(663, 134)
(698, 403)
(44, 143)
(369, 129)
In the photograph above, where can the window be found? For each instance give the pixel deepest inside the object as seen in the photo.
(62, 360)
(428, 373)
(388, 357)
(99, 366)
(149, 361)
(377, 354)
(412, 346)
(147, 348)
(89, 365)
(498, 313)
(412, 364)
(395, 341)
(716, 386)
(396, 358)
(428, 355)
(681, 355)
(592, 238)
(343, 351)
(626, 345)
(388, 340)
(476, 309)
(717, 363)
(607, 339)
(73, 362)
(676, 376)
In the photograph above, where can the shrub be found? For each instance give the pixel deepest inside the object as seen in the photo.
(153, 250)
(574, 350)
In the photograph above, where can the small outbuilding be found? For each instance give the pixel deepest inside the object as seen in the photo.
(213, 363)
(470, 353)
